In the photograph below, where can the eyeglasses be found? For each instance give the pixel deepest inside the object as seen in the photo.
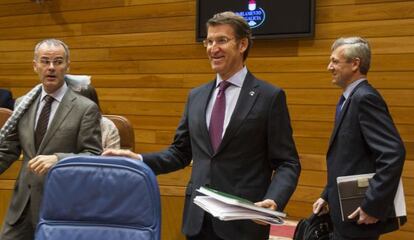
(56, 62)
(220, 41)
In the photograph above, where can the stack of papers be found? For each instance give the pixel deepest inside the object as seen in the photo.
(227, 207)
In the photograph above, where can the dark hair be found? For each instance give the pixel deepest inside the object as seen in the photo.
(239, 25)
(90, 93)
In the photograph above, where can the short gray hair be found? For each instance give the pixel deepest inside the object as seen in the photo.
(238, 23)
(356, 47)
(52, 42)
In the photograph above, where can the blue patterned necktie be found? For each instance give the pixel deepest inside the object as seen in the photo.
(339, 107)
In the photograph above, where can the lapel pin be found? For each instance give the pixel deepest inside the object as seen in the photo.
(251, 93)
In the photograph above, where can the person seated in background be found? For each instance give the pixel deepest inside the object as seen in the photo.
(6, 99)
(110, 134)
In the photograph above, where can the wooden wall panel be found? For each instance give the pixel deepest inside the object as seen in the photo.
(144, 60)
(5, 196)
(179, 66)
(306, 80)
(98, 15)
(322, 3)
(363, 12)
(53, 7)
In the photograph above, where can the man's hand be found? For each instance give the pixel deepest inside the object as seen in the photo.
(364, 218)
(320, 207)
(121, 152)
(41, 164)
(267, 203)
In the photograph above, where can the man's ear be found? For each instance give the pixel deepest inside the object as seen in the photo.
(244, 43)
(34, 66)
(67, 67)
(356, 64)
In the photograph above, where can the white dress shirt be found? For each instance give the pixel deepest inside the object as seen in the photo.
(232, 95)
(58, 95)
(350, 88)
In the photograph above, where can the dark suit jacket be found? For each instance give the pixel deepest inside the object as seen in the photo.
(365, 140)
(6, 99)
(257, 142)
(75, 129)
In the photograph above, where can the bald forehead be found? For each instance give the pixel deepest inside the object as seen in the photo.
(46, 46)
(50, 50)
(50, 47)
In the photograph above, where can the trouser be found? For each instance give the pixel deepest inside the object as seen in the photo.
(337, 236)
(207, 231)
(23, 229)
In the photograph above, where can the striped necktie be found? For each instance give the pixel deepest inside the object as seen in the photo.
(43, 120)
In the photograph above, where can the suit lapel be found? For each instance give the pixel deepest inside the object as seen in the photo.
(204, 99)
(247, 98)
(28, 122)
(343, 113)
(61, 112)
(339, 121)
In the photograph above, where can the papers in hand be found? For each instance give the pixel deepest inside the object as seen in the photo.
(227, 207)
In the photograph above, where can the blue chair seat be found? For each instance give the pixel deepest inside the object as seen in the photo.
(98, 198)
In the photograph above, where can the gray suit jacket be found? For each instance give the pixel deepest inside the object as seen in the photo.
(75, 129)
(257, 143)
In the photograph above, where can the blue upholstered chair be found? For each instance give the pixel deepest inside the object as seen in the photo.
(99, 198)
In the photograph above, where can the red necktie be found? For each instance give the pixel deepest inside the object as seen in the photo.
(217, 116)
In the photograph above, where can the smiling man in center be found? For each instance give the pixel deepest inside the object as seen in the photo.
(237, 131)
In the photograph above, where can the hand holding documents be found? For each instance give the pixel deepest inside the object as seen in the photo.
(351, 190)
(227, 207)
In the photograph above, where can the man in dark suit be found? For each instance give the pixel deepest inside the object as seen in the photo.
(72, 127)
(6, 99)
(364, 140)
(241, 144)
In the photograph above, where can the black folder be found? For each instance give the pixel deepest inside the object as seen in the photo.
(351, 191)
(351, 194)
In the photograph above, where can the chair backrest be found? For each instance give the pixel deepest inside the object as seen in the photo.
(95, 198)
(126, 131)
(5, 113)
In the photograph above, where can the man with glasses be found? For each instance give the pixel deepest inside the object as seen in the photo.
(237, 131)
(364, 140)
(49, 123)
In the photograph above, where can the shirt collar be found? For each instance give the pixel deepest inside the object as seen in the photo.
(237, 79)
(351, 87)
(57, 95)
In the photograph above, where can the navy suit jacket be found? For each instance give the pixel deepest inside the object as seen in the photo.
(256, 159)
(6, 99)
(365, 140)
